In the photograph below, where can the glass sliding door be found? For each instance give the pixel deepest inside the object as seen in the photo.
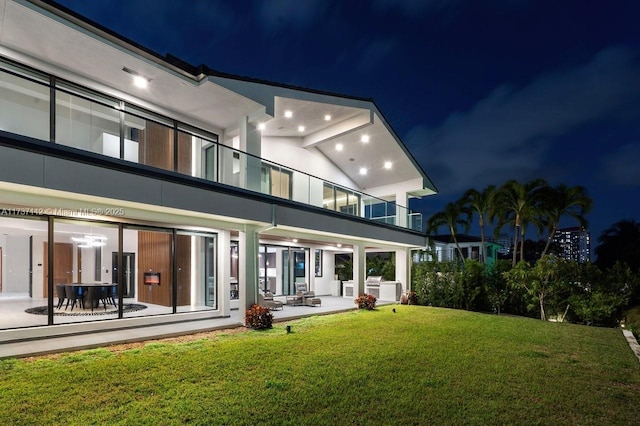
(295, 268)
(22, 273)
(82, 270)
(196, 272)
(154, 270)
(268, 269)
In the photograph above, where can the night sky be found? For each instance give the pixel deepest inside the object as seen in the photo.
(479, 91)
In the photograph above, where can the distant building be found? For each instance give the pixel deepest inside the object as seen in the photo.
(574, 243)
(471, 247)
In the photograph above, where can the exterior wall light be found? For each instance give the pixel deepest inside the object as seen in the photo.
(138, 79)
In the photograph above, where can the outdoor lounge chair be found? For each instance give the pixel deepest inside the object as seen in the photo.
(268, 302)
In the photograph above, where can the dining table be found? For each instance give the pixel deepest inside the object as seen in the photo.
(94, 301)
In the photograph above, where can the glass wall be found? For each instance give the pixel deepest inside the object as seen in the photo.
(86, 124)
(280, 267)
(84, 287)
(24, 105)
(153, 271)
(196, 156)
(275, 181)
(341, 200)
(196, 272)
(22, 272)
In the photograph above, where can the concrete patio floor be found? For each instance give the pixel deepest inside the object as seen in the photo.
(42, 346)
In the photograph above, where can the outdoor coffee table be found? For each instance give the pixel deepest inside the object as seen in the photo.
(294, 300)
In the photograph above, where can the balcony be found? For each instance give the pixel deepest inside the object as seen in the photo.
(35, 105)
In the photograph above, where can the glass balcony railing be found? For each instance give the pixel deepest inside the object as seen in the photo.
(103, 125)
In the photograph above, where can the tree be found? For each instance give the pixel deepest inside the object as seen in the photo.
(515, 204)
(548, 277)
(480, 204)
(620, 243)
(453, 215)
(561, 201)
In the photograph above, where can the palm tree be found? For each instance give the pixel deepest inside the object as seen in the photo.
(516, 204)
(480, 204)
(452, 216)
(564, 201)
(620, 243)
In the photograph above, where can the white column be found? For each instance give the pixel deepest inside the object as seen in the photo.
(403, 268)
(251, 143)
(359, 269)
(248, 269)
(224, 272)
(401, 214)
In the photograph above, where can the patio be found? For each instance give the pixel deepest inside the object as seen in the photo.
(94, 339)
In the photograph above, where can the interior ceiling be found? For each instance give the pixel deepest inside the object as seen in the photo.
(206, 104)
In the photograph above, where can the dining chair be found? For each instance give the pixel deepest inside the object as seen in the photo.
(74, 293)
(61, 293)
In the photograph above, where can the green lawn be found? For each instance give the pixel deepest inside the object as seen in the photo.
(418, 366)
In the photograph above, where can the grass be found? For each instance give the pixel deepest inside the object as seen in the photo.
(417, 366)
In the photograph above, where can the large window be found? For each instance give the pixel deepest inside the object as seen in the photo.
(275, 180)
(341, 200)
(24, 106)
(82, 271)
(86, 124)
(196, 272)
(22, 272)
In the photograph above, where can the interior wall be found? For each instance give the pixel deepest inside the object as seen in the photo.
(16, 278)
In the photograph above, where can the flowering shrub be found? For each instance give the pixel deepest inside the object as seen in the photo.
(258, 317)
(366, 301)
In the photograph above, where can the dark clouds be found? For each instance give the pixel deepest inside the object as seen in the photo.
(515, 132)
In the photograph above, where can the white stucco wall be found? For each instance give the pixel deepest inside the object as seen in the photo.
(287, 151)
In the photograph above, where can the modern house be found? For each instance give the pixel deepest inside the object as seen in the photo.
(179, 191)
(445, 248)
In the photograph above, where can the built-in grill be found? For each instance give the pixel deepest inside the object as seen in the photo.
(372, 284)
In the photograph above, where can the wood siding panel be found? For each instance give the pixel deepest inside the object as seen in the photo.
(62, 265)
(156, 146)
(154, 255)
(184, 153)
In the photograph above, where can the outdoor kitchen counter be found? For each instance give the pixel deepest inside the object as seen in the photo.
(383, 290)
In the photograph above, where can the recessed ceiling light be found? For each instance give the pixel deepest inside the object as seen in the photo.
(364, 138)
(261, 126)
(288, 114)
(363, 170)
(327, 117)
(339, 147)
(387, 165)
(338, 245)
(301, 128)
(295, 240)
